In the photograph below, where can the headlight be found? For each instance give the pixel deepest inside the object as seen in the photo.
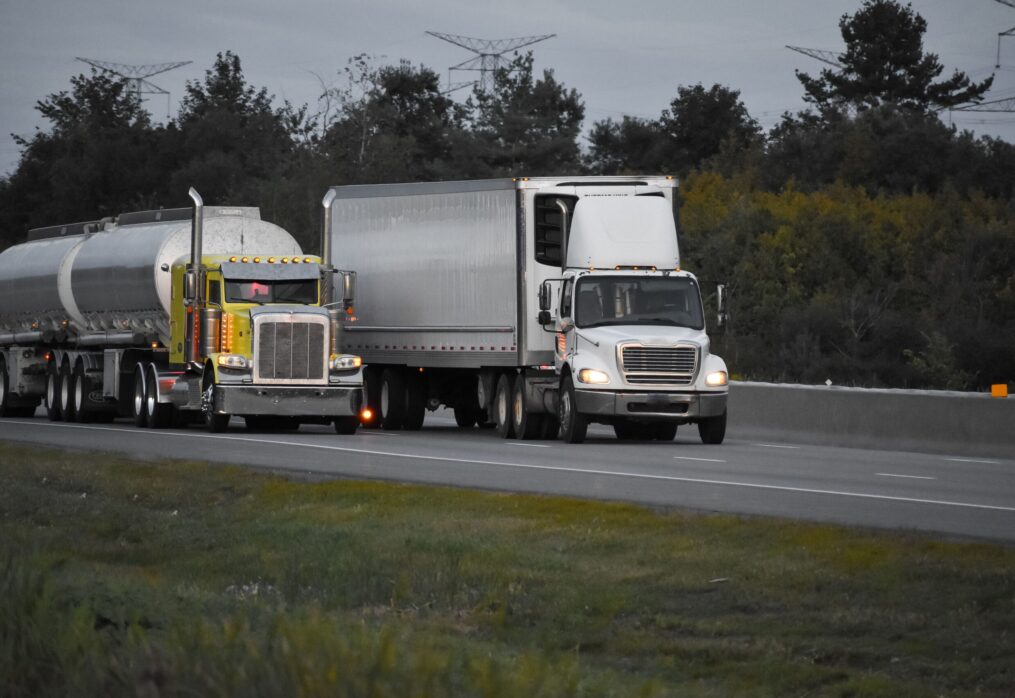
(716, 379)
(233, 361)
(591, 375)
(344, 362)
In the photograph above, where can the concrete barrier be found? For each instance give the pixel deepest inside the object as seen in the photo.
(973, 424)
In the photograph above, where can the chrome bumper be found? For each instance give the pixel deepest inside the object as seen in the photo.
(662, 406)
(288, 401)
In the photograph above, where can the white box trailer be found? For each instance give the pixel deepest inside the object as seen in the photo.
(469, 298)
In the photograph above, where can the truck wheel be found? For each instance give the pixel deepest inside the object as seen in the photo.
(415, 401)
(465, 416)
(79, 387)
(53, 393)
(712, 430)
(138, 406)
(66, 393)
(215, 423)
(392, 399)
(527, 426)
(160, 414)
(346, 425)
(502, 405)
(665, 431)
(573, 425)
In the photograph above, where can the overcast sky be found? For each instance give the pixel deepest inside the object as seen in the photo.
(623, 57)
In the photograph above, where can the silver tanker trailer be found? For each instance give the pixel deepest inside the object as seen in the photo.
(163, 315)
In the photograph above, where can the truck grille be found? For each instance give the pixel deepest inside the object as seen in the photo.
(290, 351)
(659, 365)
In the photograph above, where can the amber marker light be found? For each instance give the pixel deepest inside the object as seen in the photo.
(296, 260)
(257, 260)
(245, 260)
(271, 260)
(308, 260)
(367, 415)
(232, 259)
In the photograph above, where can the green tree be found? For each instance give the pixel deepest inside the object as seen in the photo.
(97, 158)
(885, 62)
(628, 146)
(700, 122)
(527, 126)
(228, 135)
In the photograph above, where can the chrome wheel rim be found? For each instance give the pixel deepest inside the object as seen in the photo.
(138, 393)
(79, 393)
(65, 392)
(51, 390)
(151, 398)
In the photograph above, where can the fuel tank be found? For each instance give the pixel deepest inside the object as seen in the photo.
(116, 278)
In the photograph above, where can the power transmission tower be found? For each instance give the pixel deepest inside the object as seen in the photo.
(136, 76)
(1001, 35)
(829, 57)
(489, 55)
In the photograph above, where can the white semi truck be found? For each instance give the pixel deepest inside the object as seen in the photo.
(537, 304)
(113, 317)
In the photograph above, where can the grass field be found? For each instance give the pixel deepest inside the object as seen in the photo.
(176, 578)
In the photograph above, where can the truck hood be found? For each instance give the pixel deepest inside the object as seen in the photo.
(645, 334)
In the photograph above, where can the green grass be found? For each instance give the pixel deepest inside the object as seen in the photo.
(175, 578)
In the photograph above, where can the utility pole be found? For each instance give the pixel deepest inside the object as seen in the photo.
(136, 76)
(489, 56)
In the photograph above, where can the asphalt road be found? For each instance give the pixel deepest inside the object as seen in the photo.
(883, 489)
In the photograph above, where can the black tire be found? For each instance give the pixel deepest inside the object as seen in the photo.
(138, 406)
(573, 425)
(628, 431)
(53, 393)
(372, 397)
(712, 430)
(465, 416)
(392, 399)
(502, 396)
(160, 414)
(551, 427)
(346, 425)
(6, 410)
(415, 401)
(83, 412)
(66, 393)
(214, 423)
(527, 426)
(483, 420)
(665, 431)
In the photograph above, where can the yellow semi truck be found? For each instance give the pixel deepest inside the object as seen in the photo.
(113, 318)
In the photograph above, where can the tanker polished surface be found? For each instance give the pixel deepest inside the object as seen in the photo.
(883, 489)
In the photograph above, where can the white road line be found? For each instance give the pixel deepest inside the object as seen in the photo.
(706, 460)
(775, 446)
(974, 460)
(515, 443)
(551, 468)
(910, 477)
(371, 432)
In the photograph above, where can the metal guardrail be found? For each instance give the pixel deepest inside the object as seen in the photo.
(929, 421)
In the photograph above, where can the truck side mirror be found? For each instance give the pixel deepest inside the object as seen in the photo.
(545, 299)
(348, 286)
(720, 303)
(189, 285)
(544, 317)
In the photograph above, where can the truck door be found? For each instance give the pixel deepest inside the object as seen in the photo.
(565, 323)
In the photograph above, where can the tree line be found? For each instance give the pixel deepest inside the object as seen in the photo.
(863, 239)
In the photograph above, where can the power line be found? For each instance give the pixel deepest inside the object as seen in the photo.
(489, 56)
(136, 76)
(1001, 35)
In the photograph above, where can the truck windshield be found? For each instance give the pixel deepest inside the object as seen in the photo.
(638, 300)
(301, 291)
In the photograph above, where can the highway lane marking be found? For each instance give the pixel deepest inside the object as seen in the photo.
(526, 466)
(974, 460)
(515, 443)
(706, 460)
(775, 446)
(911, 477)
